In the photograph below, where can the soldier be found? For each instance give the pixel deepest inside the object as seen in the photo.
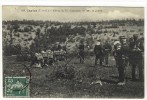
(40, 60)
(116, 48)
(81, 51)
(136, 56)
(37, 59)
(98, 50)
(45, 58)
(121, 56)
(50, 57)
(107, 50)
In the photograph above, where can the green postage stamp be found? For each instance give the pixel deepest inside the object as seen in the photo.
(17, 86)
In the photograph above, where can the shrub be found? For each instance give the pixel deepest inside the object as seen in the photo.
(131, 30)
(63, 72)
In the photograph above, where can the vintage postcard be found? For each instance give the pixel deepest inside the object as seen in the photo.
(73, 52)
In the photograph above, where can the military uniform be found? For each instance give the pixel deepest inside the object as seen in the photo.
(107, 49)
(81, 52)
(33, 59)
(121, 56)
(136, 57)
(45, 58)
(98, 50)
(117, 46)
(37, 59)
(50, 57)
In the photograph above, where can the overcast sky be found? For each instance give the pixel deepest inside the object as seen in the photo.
(66, 14)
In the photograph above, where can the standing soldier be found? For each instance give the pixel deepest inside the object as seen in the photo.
(136, 56)
(121, 56)
(98, 50)
(107, 50)
(50, 57)
(116, 48)
(81, 51)
(45, 57)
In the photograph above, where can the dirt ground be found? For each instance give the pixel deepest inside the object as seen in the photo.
(81, 85)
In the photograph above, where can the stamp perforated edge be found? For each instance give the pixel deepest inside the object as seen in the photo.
(28, 92)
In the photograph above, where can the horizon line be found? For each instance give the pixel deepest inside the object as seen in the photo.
(76, 21)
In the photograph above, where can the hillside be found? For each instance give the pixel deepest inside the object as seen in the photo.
(43, 34)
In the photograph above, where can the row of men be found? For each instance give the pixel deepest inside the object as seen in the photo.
(124, 52)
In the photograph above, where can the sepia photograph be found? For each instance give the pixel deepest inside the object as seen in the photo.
(73, 51)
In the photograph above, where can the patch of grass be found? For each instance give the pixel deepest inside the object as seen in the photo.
(45, 83)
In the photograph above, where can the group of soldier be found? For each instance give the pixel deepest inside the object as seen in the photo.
(47, 57)
(125, 53)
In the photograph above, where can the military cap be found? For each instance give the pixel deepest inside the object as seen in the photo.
(122, 37)
(135, 35)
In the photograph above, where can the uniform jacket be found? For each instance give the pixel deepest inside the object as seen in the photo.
(107, 48)
(121, 54)
(136, 48)
(98, 50)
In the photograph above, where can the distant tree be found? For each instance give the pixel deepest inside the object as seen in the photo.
(29, 39)
(27, 29)
(38, 32)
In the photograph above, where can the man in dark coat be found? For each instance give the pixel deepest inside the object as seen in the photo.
(81, 51)
(121, 55)
(136, 56)
(98, 50)
(107, 50)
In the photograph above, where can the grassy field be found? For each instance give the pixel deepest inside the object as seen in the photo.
(80, 86)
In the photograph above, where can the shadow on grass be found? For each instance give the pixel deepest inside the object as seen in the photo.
(116, 77)
(108, 66)
(109, 81)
